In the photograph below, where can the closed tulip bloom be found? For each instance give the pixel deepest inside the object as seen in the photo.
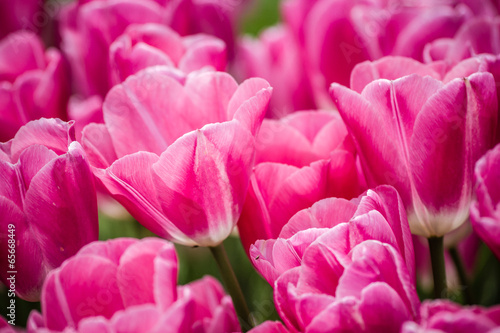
(130, 284)
(423, 137)
(142, 46)
(48, 200)
(33, 83)
(485, 210)
(177, 151)
(445, 316)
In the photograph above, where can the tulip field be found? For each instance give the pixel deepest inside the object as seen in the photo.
(263, 166)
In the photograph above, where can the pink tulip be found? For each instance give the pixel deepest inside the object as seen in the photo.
(47, 199)
(338, 34)
(278, 191)
(302, 138)
(423, 137)
(147, 45)
(445, 316)
(276, 57)
(339, 288)
(88, 29)
(130, 284)
(378, 214)
(33, 83)
(177, 151)
(476, 36)
(485, 210)
(17, 15)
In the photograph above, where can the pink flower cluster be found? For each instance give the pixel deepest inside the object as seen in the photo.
(354, 127)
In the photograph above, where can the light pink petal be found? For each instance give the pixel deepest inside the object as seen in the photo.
(136, 319)
(111, 250)
(203, 50)
(20, 52)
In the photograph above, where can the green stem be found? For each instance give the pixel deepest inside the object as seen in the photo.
(438, 269)
(232, 286)
(462, 275)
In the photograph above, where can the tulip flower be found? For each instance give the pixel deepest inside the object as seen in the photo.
(423, 137)
(485, 210)
(446, 316)
(132, 284)
(177, 152)
(47, 202)
(147, 45)
(276, 56)
(278, 191)
(302, 137)
(33, 83)
(378, 214)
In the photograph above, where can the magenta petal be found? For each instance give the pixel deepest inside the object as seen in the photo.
(61, 193)
(112, 250)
